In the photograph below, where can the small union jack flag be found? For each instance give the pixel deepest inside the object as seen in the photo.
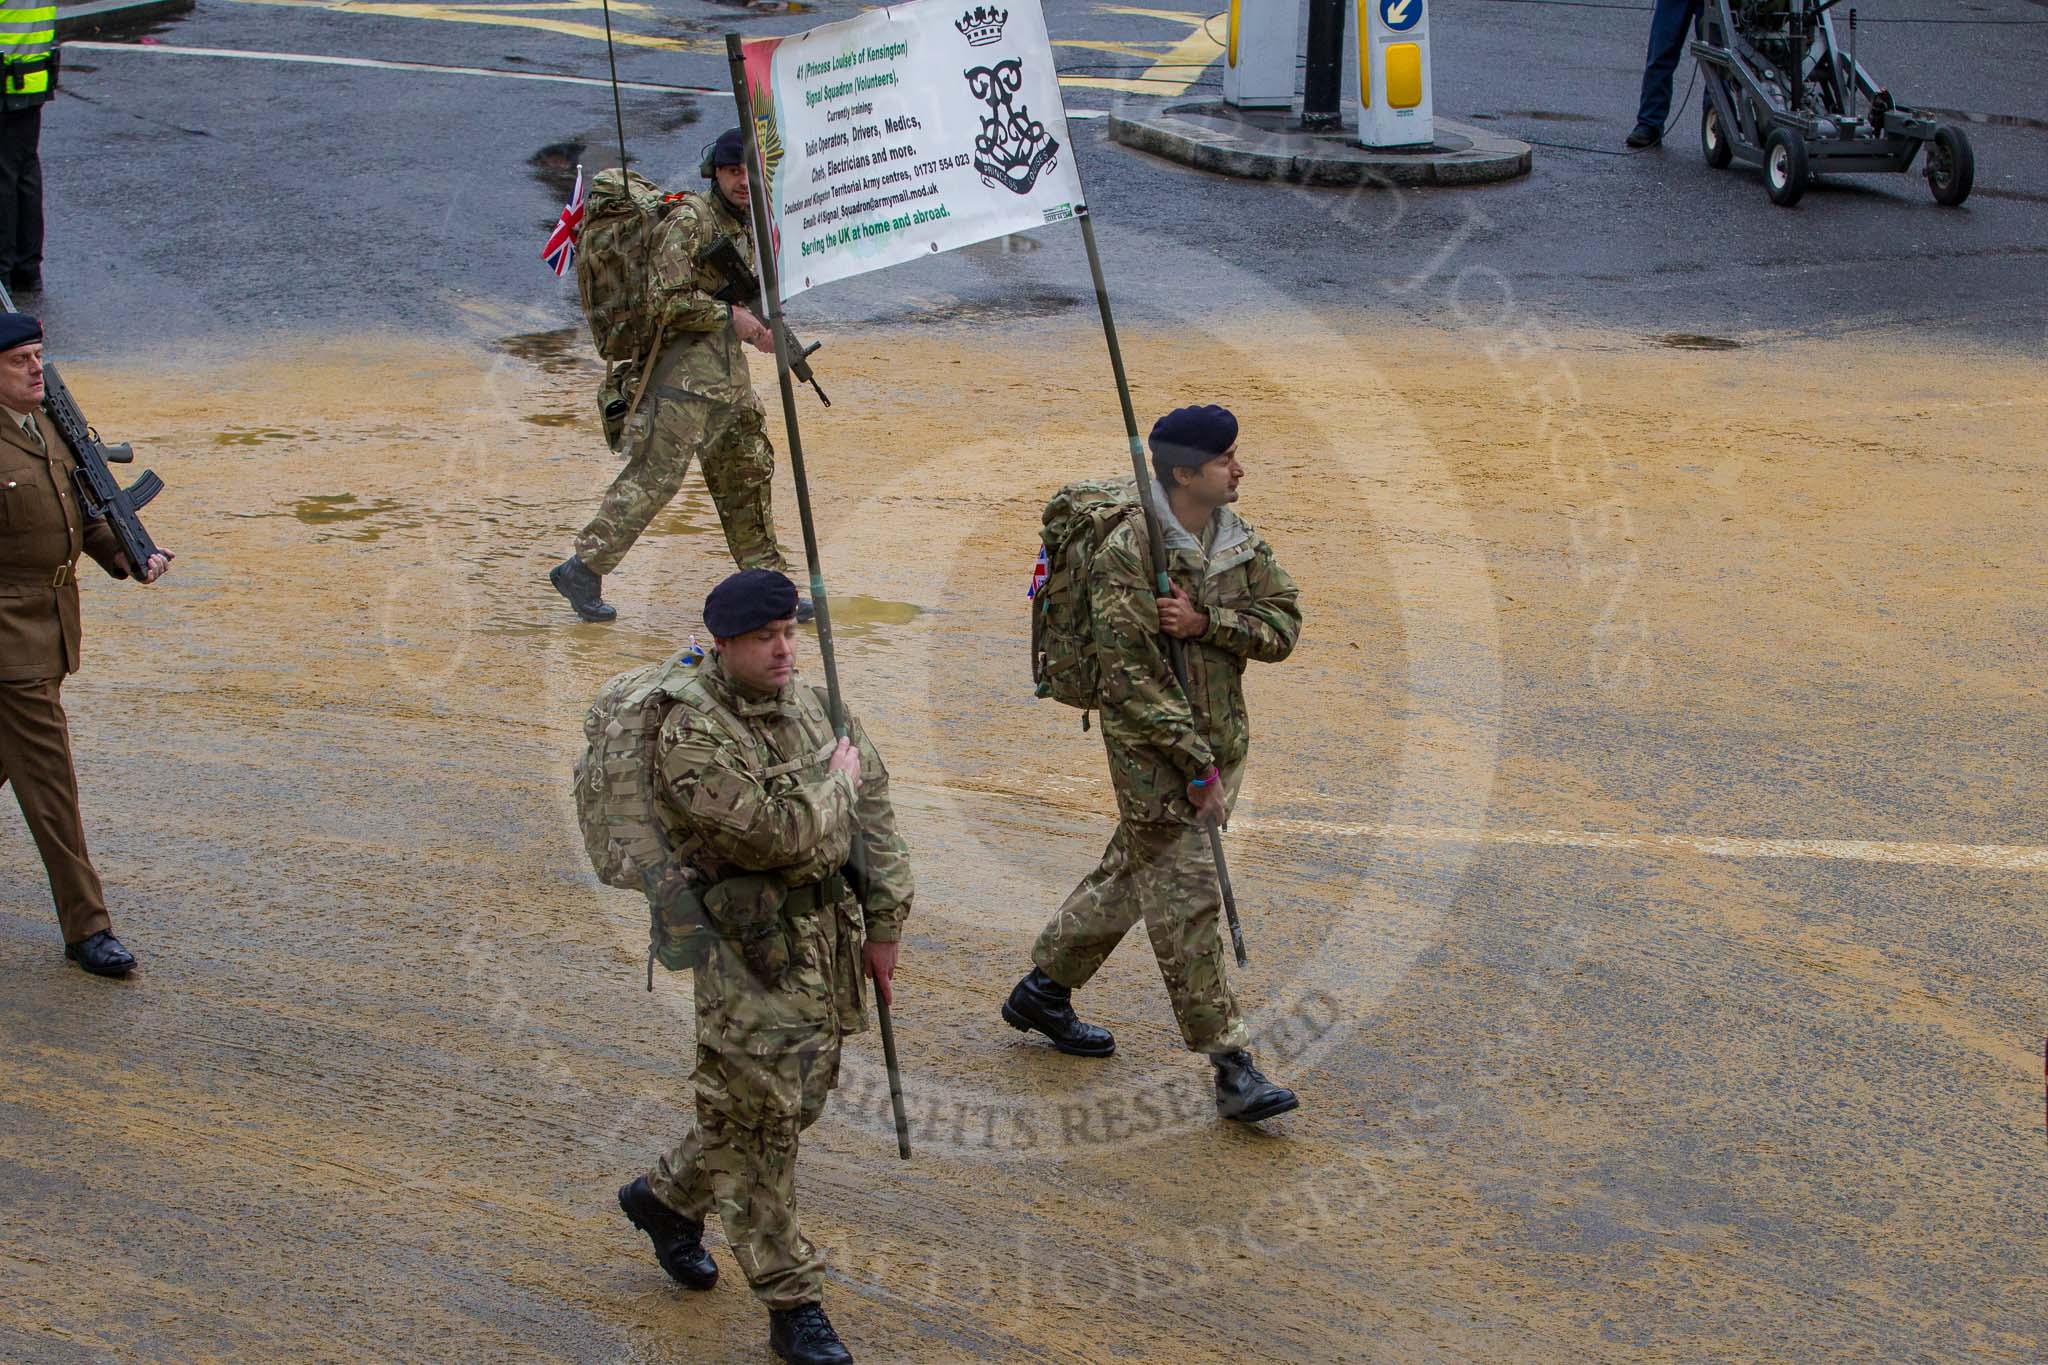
(1038, 573)
(560, 252)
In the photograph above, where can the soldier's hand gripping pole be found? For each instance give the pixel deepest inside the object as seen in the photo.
(771, 299)
(1175, 653)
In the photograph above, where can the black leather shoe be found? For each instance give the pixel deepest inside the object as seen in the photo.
(1244, 1094)
(25, 282)
(678, 1241)
(584, 589)
(805, 611)
(1039, 1002)
(101, 954)
(1645, 136)
(803, 1335)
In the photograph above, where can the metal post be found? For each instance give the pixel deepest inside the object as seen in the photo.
(1323, 84)
(1175, 652)
(771, 303)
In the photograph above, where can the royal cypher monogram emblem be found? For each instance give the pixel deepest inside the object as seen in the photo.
(1013, 149)
(983, 26)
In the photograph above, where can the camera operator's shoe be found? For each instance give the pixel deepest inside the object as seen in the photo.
(585, 590)
(678, 1241)
(1041, 1003)
(1244, 1094)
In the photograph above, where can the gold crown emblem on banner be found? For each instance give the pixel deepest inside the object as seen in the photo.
(983, 26)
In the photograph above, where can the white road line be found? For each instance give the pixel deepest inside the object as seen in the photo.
(312, 59)
(1985, 857)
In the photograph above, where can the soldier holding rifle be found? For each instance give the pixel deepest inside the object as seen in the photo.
(43, 532)
(699, 401)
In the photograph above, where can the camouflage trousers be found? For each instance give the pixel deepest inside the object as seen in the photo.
(1165, 875)
(671, 428)
(766, 1061)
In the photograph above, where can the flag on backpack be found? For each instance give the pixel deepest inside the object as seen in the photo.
(1038, 573)
(560, 251)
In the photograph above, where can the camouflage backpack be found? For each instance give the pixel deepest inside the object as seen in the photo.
(614, 251)
(616, 806)
(1077, 520)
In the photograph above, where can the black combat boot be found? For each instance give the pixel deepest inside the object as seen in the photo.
(1041, 1003)
(678, 1241)
(803, 1335)
(1242, 1093)
(585, 590)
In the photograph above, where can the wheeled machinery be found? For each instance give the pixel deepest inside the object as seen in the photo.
(1783, 93)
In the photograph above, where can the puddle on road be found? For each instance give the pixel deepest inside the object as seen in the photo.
(1694, 341)
(1012, 244)
(555, 166)
(560, 350)
(854, 612)
(334, 509)
(1026, 303)
(256, 436)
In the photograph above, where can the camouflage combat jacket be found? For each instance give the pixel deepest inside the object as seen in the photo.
(1158, 738)
(701, 353)
(745, 788)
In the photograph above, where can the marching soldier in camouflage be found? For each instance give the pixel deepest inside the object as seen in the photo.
(699, 402)
(1175, 759)
(765, 803)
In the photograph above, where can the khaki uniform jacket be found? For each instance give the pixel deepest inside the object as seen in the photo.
(1160, 738)
(744, 783)
(42, 536)
(709, 360)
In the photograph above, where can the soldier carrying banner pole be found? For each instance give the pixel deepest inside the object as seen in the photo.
(785, 361)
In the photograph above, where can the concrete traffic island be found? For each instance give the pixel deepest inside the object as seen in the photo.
(1267, 144)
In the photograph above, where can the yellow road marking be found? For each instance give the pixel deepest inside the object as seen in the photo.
(1177, 69)
(1120, 49)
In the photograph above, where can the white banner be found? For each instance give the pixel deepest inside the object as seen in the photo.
(911, 130)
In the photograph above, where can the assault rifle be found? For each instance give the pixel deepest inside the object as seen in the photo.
(743, 288)
(99, 495)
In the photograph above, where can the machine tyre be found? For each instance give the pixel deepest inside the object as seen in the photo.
(1785, 173)
(1951, 166)
(1714, 144)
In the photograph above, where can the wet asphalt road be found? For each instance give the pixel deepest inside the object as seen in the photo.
(1594, 1100)
(197, 198)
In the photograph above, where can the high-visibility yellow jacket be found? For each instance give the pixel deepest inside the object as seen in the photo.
(28, 52)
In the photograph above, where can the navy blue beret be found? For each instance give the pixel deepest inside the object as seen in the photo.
(729, 150)
(18, 329)
(1193, 436)
(748, 601)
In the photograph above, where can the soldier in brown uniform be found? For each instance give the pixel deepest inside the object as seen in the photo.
(42, 536)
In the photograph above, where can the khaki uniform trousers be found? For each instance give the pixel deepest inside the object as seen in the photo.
(1164, 874)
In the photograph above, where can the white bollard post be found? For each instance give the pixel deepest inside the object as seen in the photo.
(1394, 106)
(1260, 49)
